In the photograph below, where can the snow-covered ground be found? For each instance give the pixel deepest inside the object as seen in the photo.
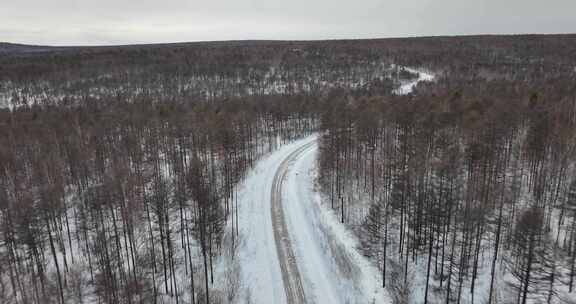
(331, 268)
(408, 87)
(260, 269)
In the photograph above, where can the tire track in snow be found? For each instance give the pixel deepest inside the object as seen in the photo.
(290, 274)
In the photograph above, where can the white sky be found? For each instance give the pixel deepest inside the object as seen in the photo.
(80, 22)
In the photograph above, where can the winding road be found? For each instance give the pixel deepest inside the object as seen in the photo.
(288, 264)
(293, 248)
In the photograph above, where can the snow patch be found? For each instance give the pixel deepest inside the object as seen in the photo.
(408, 87)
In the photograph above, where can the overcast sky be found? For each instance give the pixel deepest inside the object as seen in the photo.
(79, 22)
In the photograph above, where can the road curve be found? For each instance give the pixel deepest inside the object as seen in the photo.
(290, 274)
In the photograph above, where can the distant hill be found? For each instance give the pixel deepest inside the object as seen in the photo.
(23, 48)
(399, 42)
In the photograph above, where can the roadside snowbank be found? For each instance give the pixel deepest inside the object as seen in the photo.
(333, 269)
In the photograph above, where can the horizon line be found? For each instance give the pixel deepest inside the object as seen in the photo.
(157, 43)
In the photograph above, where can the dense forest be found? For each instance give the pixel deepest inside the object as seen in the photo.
(120, 165)
(459, 195)
(463, 192)
(116, 201)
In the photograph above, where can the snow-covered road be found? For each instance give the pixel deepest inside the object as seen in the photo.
(288, 264)
(261, 275)
(293, 248)
(331, 267)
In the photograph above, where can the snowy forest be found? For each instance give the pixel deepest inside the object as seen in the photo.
(130, 174)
